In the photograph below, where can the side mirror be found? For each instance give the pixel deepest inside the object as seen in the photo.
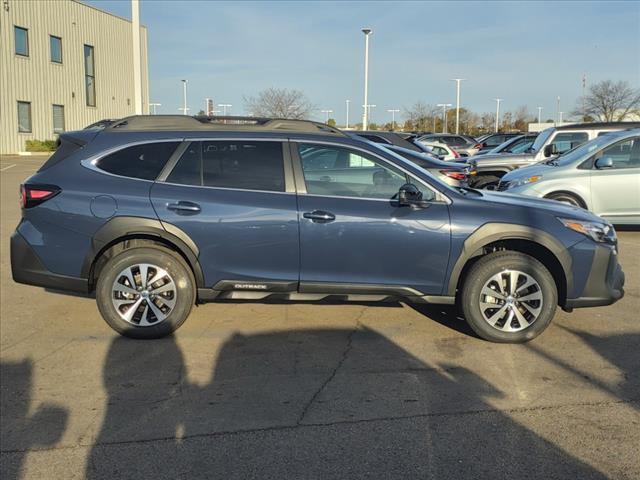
(409, 195)
(550, 150)
(604, 162)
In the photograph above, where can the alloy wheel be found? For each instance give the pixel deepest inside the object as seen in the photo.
(511, 300)
(144, 294)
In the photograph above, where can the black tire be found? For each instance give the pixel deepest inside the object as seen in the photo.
(565, 197)
(173, 264)
(488, 182)
(481, 273)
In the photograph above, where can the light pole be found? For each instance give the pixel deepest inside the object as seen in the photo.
(137, 77)
(498, 100)
(393, 117)
(444, 115)
(224, 108)
(458, 80)
(326, 115)
(557, 110)
(539, 114)
(346, 126)
(365, 115)
(560, 115)
(184, 108)
(154, 105)
(367, 109)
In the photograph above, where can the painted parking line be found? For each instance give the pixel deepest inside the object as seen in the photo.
(8, 167)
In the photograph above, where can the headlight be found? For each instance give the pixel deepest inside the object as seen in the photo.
(524, 181)
(598, 231)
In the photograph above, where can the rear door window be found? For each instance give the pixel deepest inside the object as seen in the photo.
(231, 164)
(143, 161)
(625, 154)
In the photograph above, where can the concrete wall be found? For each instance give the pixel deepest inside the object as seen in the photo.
(43, 83)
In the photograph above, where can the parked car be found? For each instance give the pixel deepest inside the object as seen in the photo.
(456, 174)
(441, 150)
(602, 175)
(515, 145)
(154, 214)
(462, 144)
(495, 139)
(404, 140)
(550, 142)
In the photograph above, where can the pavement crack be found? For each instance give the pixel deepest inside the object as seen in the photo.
(343, 358)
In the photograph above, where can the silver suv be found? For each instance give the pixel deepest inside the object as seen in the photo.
(602, 175)
(550, 142)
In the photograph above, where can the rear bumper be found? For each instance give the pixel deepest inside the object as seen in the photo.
(27, 268)
(605, 284)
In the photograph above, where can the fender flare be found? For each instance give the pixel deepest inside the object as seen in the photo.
(122, 228)
(493, 232)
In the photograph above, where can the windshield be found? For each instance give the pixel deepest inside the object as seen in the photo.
(542, 139)
(583, 151)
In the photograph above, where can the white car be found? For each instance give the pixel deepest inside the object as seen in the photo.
(441, 150)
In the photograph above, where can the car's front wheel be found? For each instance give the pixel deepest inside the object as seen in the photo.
(145, 292)
(509, 297)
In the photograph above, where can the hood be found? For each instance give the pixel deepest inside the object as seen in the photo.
(527, 171)
(502, 157)
(550, 206)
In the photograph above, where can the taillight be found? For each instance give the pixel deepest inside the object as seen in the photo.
(455, 175)
(35, 194)
(455, 154)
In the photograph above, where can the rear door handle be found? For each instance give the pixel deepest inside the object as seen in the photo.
(184, 208)
(319, 216)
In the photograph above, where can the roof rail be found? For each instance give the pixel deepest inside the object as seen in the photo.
(186, 122)
(588, 125)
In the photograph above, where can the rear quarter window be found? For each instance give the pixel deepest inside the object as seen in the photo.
(143, 161)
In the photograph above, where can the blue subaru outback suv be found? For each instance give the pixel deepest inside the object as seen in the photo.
(154, 214)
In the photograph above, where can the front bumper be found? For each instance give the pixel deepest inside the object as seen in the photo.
(605, 283)
(27, 268)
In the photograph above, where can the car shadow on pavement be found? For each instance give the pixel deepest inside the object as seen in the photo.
(446, 315)
(310, 403)
(21, 430)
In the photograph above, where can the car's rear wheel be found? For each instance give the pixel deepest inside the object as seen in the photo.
(509, 297)
(567, 198)
(145, 292)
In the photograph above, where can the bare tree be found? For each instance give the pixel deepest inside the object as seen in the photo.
(279, 103)
(521, 118)
(421, 116)
(609, 101)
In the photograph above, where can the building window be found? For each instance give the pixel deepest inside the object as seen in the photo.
(24, 117)
(89, 76)
(58, 118)
(22, 41)
(55, 44)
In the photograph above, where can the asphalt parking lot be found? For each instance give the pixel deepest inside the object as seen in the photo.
(312, 391)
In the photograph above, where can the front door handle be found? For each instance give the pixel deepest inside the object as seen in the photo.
(184, 208)
(319, 216)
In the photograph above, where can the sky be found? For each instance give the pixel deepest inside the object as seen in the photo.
(527, 53)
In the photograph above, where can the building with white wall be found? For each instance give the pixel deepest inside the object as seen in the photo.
(63, 66)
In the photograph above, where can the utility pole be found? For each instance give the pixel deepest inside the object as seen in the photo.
(365, 116)
(184, 108)
(137, 76)
(154, 105)
(584, 88)
(393, 117)
(444, 115)
(326, 115)
(458, 80)
(367, 109)
(346, 125)
(498, 100)
(539, 114)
